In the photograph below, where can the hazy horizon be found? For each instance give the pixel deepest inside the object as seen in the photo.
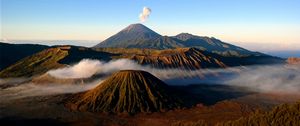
(89, 43)
(237, 22)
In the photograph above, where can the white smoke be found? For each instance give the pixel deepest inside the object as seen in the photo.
(276, 78)
(84, 69)
(120, 64)
(145, 14)
(87, 68)
(272, 78)
(30, 90)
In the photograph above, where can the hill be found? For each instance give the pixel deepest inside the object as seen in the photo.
(283, 115)
(51, 58)
(11, 53)
(187, 58)
(212, 45)
(128, 91)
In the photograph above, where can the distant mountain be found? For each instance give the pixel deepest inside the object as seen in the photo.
(11, 53)
(129, 91)
(212, 45)
(285, 54)
(139, 36)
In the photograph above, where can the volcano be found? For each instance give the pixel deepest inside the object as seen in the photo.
(139, 36)
(212, 44)
(127, 91)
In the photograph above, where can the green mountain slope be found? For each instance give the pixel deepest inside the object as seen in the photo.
(11, 53)
(51, 59)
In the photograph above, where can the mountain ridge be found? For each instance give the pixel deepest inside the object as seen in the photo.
(17, 51)
(140, 36)
(51, 58)
(182, 58)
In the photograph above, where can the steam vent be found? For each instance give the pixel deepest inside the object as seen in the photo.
(127, 91)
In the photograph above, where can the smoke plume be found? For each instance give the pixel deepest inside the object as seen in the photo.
(145, 14)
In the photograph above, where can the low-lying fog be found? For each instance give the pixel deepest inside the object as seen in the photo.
(274, 78)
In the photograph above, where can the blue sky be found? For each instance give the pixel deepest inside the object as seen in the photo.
(236, 21)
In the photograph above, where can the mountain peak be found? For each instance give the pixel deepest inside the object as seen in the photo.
(131, 36)
(139, 28)
(185, 36)
(185, 33)
(124, 91)
(136, 25)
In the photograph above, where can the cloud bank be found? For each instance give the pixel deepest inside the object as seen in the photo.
(265, 79)
(30, 90)
(84, 69)
(276, 78)
(87, 68)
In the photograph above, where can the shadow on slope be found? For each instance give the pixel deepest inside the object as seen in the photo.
(209, 94)
(11, 53)
(53, 58)
(16, 121)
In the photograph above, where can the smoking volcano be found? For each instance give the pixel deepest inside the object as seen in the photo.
(127, 91)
